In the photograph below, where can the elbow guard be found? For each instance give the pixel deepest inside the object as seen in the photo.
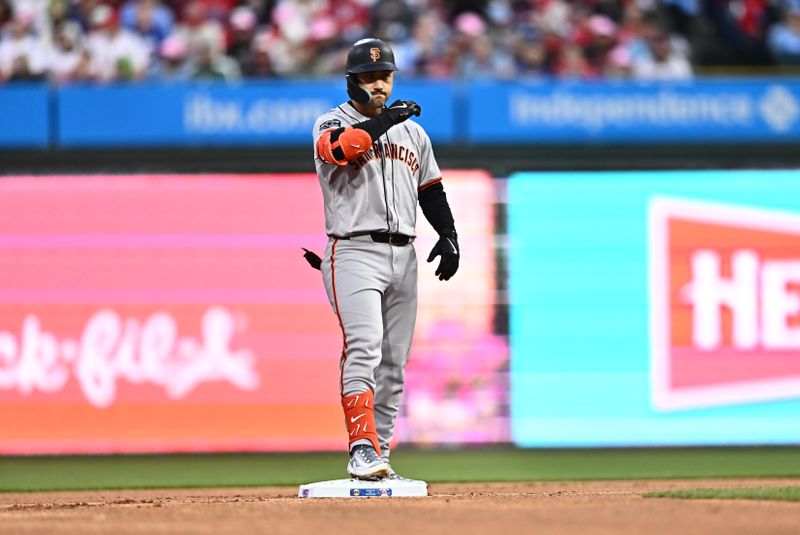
(342, 145)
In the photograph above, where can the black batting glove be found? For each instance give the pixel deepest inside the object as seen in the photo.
(400, 110)
(447, 248)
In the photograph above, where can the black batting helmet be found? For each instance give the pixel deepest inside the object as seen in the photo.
(370, 55)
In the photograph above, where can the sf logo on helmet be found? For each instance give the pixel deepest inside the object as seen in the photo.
(375, 54)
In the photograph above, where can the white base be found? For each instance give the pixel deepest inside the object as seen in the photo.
(356, 488)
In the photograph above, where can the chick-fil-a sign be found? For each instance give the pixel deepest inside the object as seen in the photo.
(111, 348)
(162, 313)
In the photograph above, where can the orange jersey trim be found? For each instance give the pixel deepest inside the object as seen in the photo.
(429, 184)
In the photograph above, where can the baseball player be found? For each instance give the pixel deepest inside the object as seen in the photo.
(374, 164)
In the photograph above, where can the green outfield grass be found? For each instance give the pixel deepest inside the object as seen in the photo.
(496, 464)
(786, 494)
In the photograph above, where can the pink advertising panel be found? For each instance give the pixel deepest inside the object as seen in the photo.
(457, 375)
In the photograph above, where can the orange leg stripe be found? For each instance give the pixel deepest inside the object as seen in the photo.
(339, 317)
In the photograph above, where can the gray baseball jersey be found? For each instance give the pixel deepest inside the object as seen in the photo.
(372, 286)
(378, 190)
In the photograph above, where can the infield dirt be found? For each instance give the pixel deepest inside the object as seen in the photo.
(607, 507)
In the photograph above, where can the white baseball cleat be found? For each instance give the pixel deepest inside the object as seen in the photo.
(366, 464)
(391, 474)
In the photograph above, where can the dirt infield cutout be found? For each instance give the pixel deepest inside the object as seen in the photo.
(610, 507)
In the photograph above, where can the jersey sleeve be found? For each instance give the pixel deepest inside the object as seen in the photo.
(429, 173)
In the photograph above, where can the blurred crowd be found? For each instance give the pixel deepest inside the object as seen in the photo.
(122, 40)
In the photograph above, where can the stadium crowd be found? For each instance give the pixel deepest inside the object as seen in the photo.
(122, 40)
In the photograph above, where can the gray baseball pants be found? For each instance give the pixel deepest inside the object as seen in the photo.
(372, 288)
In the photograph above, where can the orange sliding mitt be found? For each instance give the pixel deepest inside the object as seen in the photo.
(342, 145)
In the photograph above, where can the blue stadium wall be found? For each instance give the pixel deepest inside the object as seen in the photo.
(281, 113)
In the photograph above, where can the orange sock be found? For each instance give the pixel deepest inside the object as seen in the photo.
(359, 418)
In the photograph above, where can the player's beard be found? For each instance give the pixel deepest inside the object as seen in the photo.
(378, 100)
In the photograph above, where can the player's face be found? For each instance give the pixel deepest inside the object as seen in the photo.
(379, 84)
